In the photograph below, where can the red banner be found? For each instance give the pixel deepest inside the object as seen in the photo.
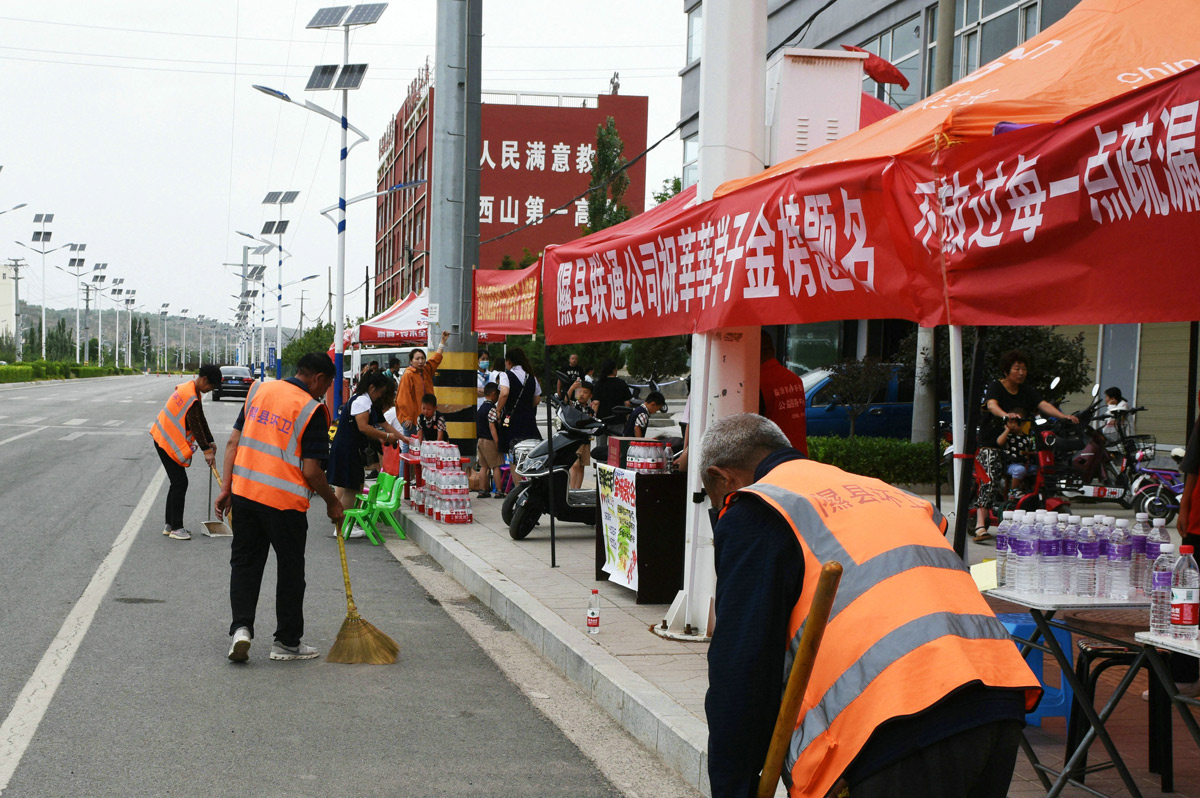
(506, 301)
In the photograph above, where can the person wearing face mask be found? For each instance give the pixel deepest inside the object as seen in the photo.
(483, 376)
(416, 382)
(917, 688)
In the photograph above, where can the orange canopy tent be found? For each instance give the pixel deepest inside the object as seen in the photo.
(1032, 191)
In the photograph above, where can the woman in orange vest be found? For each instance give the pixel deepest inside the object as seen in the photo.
(415, 383)
(179, 430)
(917, 688)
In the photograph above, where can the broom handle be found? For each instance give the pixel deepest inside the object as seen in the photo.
(802, 667)
(350, 607)
(229, 512)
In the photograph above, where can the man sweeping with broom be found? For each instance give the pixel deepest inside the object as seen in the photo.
(272, 467)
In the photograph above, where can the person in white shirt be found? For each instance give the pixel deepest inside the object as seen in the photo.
(1116, 403)
(483, 376)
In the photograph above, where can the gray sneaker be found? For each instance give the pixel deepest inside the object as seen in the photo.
(179, 534)
(285, 653)
(166, 529)
(240, 650)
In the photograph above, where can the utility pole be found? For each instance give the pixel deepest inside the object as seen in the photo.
(88, 288)
(366, 292)
(301, 333)
(16, 264)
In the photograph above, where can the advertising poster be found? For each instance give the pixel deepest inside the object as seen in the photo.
(618, 519)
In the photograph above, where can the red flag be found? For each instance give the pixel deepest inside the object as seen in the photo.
(878, 69)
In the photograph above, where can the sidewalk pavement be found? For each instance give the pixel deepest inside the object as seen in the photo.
(655, 687)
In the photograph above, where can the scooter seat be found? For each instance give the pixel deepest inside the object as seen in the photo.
(583, 497)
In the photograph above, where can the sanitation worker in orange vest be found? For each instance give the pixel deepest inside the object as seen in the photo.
(273, 464)
(917, 689)
(781, 396)
(178, 431)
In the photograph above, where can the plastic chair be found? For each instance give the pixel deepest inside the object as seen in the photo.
(386, 506)
(361, 514)
(1056, 703)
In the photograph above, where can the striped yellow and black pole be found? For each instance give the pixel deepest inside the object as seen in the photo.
(455, 386)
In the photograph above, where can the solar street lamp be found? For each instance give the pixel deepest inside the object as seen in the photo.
(75, 268)
(42, 236)
(130, 301)
(340, 77)
(162, 334)
(279, 199)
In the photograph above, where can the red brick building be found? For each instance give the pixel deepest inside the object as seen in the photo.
(535, 157)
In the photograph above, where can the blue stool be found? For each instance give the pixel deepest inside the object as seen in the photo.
(1056, 703)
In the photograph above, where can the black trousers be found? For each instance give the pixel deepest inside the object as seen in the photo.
(178, 490)
(977, 763)
(258, 528)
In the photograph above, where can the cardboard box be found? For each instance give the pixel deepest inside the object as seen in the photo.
(617, 447)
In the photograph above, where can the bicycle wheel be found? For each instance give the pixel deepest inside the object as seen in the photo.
(1158, 501)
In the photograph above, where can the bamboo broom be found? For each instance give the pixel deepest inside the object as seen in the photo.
(359, 642)
(802, 666)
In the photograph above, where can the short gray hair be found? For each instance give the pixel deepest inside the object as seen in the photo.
(740, 441)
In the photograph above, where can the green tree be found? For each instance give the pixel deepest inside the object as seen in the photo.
(670, 187)
(527, 260)
(609, 180)
(659, 357)
(60, 343)
(1051, 355)
(856, 383)
(315, 339)
(8, 347)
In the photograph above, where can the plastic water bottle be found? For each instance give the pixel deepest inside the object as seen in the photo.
(1087, 556)
(1069, 524)
(1102, 533)
(1002, 533)
(1137, 536)
(1023, 561)
(1185, 596)
(593, 613)
(1120, 562)
(1157, 538)
(1050, 548)
(1160, 590)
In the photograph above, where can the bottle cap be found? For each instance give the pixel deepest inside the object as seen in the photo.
(1159, 522)
(1185, 549)
(595, 591)
(1142, 516)
(1166, 548)
(1122, 523)
(1008, 513)
(1074, 519)
(1089, 522)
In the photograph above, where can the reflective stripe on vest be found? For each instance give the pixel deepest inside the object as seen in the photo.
(908, 626)
(170, 430)
(268, 465)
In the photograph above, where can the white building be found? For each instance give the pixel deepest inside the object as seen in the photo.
(8, 300)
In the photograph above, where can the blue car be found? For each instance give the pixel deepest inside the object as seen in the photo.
(889, 416)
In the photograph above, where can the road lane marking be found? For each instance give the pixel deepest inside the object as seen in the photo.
(75, 422)
(33, 419)
(23, 434)
(113, 423)
(126, 401)
(73, 436)
(99, 400)
(150, 402)
(30, 707)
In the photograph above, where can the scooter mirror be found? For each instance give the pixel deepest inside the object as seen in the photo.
(1054, 383)
(1095, 389)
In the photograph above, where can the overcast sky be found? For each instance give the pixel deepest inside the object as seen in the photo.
(136, 125)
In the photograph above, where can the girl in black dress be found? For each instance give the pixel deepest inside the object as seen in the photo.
(346, 467)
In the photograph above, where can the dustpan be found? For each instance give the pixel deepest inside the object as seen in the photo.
(216, 529)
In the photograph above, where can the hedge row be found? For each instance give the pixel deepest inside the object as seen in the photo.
(16, 373)
(44, 369)
(893, 460)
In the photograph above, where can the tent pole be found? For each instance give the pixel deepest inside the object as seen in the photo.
(957, 420)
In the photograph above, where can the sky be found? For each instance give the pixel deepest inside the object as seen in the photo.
(135, 124)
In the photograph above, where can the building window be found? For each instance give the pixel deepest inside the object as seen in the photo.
(695, 33)
(691, 161)
(900, 45)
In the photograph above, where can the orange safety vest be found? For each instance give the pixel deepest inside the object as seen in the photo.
(170, 430)
(267, 467)
(782, 395)
(908, 627)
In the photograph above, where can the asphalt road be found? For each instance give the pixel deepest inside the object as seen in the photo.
(146, 702)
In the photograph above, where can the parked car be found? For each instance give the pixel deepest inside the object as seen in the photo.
(235, 381)
(888, 416)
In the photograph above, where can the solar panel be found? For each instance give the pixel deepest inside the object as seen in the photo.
(329, 17)
(351, 77)
(366, 14)
(49, 218)
(272, 198)
(322, 77)
(38, 218)
(289, 197)
(263, 250)
(281, 227)
(268, 228)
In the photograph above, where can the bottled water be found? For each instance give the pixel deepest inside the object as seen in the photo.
(1069, 524)
(1120, 561)
(1137, 535)
(1160, 589)
(1157, 538)
(1050, 547)
(1185, 596)
(1002, 533)
(1023, 558)
(593, 613)
(1102, 533)
(1086, 558)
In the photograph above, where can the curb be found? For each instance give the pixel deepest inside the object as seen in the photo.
(655, 719)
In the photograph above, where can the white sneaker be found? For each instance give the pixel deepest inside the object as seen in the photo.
(357, 533)
(179, 534)
(283, 653)
(166, 529)
(240, 650)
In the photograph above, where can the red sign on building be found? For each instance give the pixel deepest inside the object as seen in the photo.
(536, 158)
